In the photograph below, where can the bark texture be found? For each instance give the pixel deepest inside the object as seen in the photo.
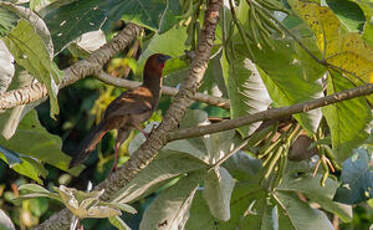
(149, 150)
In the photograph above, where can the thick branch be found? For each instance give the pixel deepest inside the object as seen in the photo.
(148, 151)
(90, 66)
(211, 100)
(271, 113)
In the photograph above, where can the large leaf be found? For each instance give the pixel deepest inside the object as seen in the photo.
(38, 24)
(301, 216)
(348, 51)
(200, 216)
(87, 43)
(349, 13)
(33, 140)
(23, 164)
(5, 222)
(156, 174)
(289, 75)
(357, 179)
(367, 7)
(246, 89)
(6, 67)
(253, 207)
(170, 209)
(170, 43)
(242, 166)
(30, 51)
(210, 148)
(67, 22)
(217, 192)
(8, 21)
(347, 120)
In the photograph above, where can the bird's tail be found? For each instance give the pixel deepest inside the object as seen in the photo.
(88, 144)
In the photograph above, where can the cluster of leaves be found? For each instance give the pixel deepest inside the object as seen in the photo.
(267, 53)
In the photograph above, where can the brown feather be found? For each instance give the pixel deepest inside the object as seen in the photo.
(129, 110)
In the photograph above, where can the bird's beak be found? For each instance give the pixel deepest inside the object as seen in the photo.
(165, 58)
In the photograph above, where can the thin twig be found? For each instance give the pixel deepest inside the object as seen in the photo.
(171, 91)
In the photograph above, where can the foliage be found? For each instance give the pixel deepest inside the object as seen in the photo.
(267, 54)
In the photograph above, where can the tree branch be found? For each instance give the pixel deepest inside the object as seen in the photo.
(271, 114)
(171, 91)
(149, 150)
(90, 66)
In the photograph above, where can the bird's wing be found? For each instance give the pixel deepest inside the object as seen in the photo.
(134, 101)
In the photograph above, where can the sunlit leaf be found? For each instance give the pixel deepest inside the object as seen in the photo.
(347, 120)
(346, 50)
(30, 51)
(246, 90)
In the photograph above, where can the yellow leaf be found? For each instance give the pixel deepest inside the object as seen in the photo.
(345, 50)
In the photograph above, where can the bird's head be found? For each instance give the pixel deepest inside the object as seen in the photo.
(155, 64)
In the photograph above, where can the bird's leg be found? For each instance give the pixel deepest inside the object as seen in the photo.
(122, 136)
(116, 156)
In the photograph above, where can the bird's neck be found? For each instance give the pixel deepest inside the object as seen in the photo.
(153, 83)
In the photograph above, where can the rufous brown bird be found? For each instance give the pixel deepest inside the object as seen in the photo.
(128, 111)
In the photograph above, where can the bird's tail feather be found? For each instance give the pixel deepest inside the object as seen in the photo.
(88, 144)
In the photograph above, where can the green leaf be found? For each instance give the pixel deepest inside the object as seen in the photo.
(255, 207)
(33, 188)
(67, 22)
(30, 51)
(37, 142)
(5, 222)
(349, 13)
(171, 16)
(35, 20)
(170, 208)
(217, 192)
(125, 207)
(200, 216)
(300, 214)
(6, 67)
(213, 81)
(367, 7)
(306, 183)
(357, 179)
(243, 167)
(28, 167)
(289, 75)
(161, 170)
(11, 157)
(347, 120)
(344, 212)
(170, 43)
(8, 21)
(249, 202)
(246, 90)
(117, 222)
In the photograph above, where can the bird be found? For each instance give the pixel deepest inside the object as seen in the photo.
(127, 112)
